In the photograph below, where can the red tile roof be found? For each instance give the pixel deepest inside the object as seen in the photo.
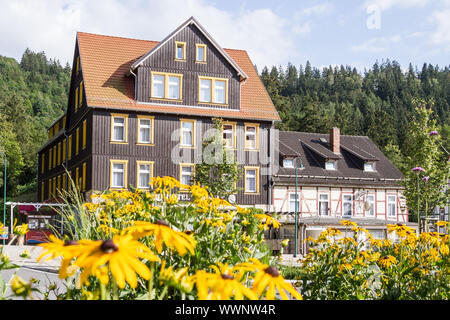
(106, 61)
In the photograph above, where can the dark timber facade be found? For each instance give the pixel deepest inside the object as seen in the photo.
(139, 109)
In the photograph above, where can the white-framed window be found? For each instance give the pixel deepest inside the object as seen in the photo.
(166, 86)
(369, 206)
(213, 90)
(288, 163)
(145, 129)
(347, 205)
(251, 136)
(251, 180)
(330, 165)
(158, 85)
(144, 174)
(369, 166)
(391, 205)
(186, 174)
(293, 199)
(187, 134)
(229, 135)
(119, 128)
(118, 173)
(180, 50)
(205, 90)
(174, 87)
(200, 52)
(324, 204)
(219, 91)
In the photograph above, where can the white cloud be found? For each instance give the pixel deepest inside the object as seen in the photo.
(388, 4)
(441, 35)
(376, 45)
(303, 19)
(51, 25)
(325, 8)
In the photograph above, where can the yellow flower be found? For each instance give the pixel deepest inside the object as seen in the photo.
(442, 223)
(20, 287)
(180, 277)
(444, 250)
(121, 254)
(25, 254)
(65, 249)
(348, 223)
(163, 234)
(267, 220)
(285, 242)
(223, 284)
(20, 230)
(331, 231)
(267, 279)
(348, 240)
(387, 261)
(345, 266)
(401, 229)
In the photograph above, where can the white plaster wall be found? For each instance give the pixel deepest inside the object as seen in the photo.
(309, 196)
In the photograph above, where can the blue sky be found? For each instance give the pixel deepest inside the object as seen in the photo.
(348, 32)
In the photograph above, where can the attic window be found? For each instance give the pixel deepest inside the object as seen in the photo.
(369, 166)
(288, 163)
(200, 52)
(330, 165)
(180, 50)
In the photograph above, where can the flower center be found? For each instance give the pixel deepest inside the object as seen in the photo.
(70, 243)
(108, 246)
(161, 222)
(272, 271)
(227, 277)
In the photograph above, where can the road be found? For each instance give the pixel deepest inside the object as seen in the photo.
(45, 278)
(46, 272)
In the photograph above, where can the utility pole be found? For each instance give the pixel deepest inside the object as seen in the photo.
(4, 194)
(296, 203)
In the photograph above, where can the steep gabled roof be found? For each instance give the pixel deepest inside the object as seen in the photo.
(312, 150)
(106, 62)
(193, 21)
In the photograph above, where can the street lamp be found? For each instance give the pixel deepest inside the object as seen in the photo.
(2, 153)
(296, 202)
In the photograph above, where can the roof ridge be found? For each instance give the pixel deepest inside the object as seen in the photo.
(109, 36)
(128, 38)
(342, 135)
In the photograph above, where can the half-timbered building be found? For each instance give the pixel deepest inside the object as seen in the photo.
(325, 178)
(139, 109)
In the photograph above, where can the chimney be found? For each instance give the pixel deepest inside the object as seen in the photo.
(335, 137)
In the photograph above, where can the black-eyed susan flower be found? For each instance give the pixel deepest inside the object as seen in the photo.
(121, 254)
(348, 223)
(163, 234)
(400, 229)
(266, 220)
(387, 261)
(223, 284)
(267, 279)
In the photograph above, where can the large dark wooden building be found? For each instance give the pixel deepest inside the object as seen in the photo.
(140, 108)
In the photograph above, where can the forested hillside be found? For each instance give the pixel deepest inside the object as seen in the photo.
(33, 93)
(375, 102)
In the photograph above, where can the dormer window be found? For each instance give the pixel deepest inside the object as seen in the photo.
(330, 165)
(288, 163)
(369, 166)
(180, 50)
